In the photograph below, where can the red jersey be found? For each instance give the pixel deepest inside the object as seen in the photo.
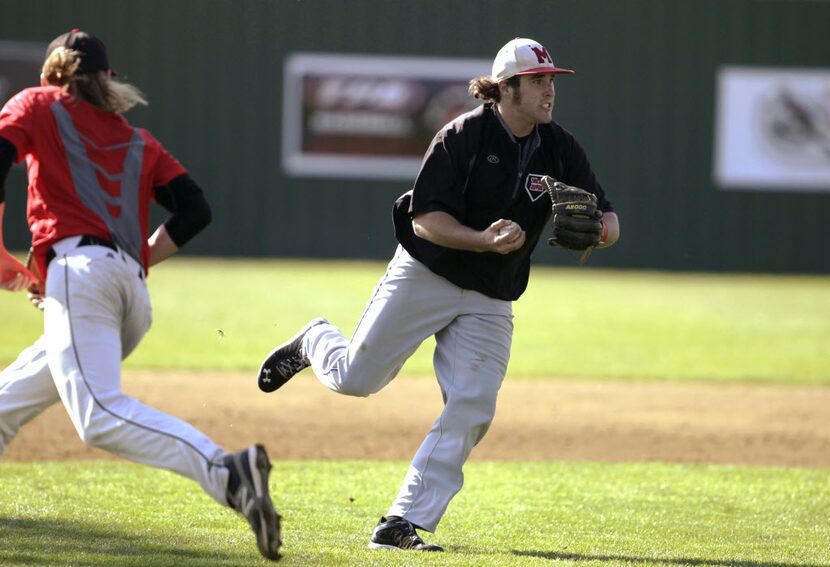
(89, 171)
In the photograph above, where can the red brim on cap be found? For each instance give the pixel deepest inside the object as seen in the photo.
(540, 70)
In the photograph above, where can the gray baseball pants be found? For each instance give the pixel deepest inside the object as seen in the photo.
(473, 334)
(97, 309)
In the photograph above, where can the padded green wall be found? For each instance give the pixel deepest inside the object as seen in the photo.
(642, 103)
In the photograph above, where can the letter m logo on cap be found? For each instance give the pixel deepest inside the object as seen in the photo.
(542, 55)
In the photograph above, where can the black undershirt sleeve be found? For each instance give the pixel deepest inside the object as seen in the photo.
(189, 209)
(8, 155)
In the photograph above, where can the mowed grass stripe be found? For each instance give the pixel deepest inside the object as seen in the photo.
(114, 513)
(225, 314)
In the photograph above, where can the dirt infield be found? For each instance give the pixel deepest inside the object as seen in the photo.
(595, 421)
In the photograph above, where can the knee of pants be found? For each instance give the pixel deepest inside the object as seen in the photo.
(97, 427)
(470, 413)
(357, 390)
(360, 379)
(95, 433)
(8, 431)
(5, 437)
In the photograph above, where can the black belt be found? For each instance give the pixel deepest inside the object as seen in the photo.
(86, 240)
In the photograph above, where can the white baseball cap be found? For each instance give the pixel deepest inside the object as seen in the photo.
(523, 56)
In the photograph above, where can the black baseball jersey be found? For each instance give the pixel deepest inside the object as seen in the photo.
(478, 172)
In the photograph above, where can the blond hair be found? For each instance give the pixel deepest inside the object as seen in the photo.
(97, 88)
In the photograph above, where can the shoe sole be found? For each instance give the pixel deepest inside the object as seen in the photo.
(373, 545)
(277, 382)
(269, 535)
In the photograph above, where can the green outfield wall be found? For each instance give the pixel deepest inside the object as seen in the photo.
(644, 103)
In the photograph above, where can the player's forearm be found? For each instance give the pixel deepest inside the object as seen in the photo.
(3, 249)
(443, 229)
(190, 210)
(8, 154)
(2, 213)
(161, 245)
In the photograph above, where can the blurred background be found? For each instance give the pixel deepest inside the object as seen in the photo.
(706, 121)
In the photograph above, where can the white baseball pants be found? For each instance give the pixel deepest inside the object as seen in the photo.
(96, 311)
(473, 334)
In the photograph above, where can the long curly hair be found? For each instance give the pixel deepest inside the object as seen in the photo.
(61, 70)
(487, 89)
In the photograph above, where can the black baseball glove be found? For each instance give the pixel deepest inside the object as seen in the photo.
(577, 223)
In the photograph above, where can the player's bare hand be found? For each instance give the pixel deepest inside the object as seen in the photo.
(36, 295)
(14, 276)
(14, 281)
(505, 236)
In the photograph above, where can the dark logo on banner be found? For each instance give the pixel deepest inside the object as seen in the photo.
(534, 186)
(797, 126)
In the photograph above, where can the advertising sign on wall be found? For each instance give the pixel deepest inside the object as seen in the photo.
(772, 129)
(369, 116)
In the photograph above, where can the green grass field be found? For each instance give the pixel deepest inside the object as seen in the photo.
(510, 514)
(572, 323)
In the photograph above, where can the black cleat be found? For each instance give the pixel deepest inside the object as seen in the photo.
(399, 533)
(285, 361)
(248, 494)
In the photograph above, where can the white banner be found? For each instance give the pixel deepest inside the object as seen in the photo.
(772, 129)
(369, 116)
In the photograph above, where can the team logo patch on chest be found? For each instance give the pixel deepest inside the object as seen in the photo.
(534, 187)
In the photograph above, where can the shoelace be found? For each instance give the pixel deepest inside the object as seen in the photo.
(412, 541)
(406, 537)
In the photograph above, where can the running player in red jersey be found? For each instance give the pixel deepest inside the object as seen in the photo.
(92, 177)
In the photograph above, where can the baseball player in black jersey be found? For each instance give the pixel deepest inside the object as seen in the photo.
(466, 232)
